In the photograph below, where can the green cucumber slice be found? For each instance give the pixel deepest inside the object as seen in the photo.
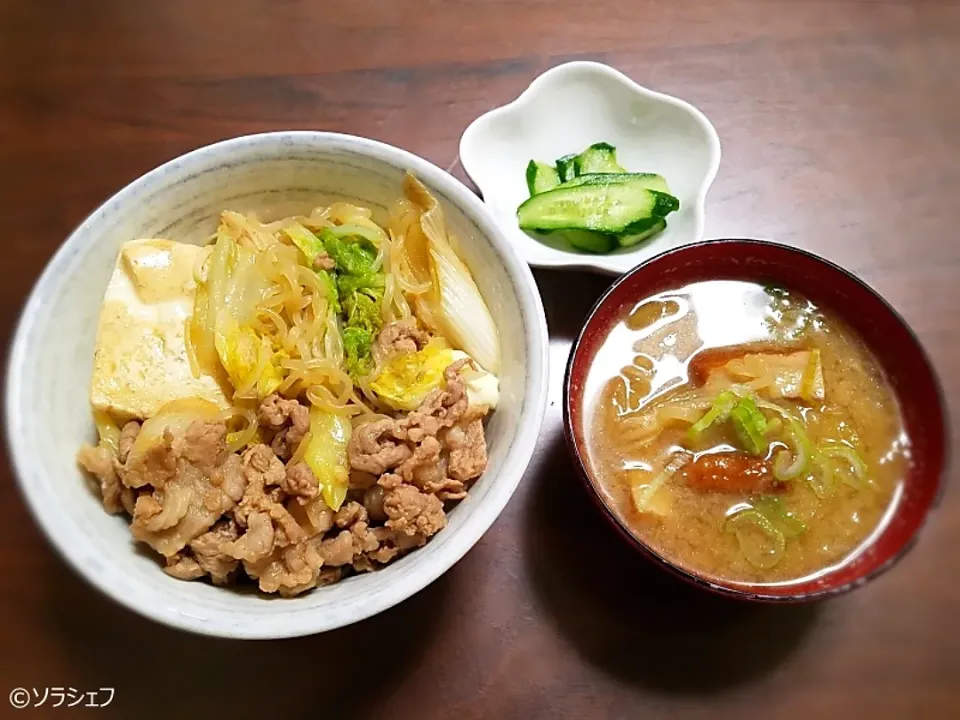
(599, 205)
(648, 180)
(588, 241)
(657, 225)
(541, 177)
(598, 158)
(566, 167)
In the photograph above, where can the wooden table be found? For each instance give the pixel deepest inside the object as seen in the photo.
(840, 123)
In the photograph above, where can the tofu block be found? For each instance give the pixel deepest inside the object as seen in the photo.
(483, 388)
(140, 362)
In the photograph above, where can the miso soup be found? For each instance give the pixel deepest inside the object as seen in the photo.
(743, 432)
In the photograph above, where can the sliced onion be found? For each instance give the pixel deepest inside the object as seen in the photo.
(784, 520)
(346, 213)
(858, 475)
(107, 430)
(761, 555)
(376, 237)
(683, 414)
(784, 468)
(239, 439)
(316, 510)
(643, 494)
(175, 416)
(773, 407)
(301, 449)
(821, 480)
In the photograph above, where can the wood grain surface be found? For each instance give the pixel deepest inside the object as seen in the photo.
(840, 124)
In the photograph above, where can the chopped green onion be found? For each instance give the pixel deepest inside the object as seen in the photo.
(784, 468)
(749, 424)
(758, 419)
(773, 426)
(773, 407)
(821, 479)
(720, 411)
(763, 553)
(772, 508)
(858, 476)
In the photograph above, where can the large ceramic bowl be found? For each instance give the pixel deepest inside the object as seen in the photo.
(48, 414)
(903, 360)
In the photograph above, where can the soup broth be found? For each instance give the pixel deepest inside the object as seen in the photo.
(743, 432)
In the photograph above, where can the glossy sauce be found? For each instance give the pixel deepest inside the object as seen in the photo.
(658, 371)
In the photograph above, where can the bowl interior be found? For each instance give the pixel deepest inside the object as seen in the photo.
(897, 349)
(48, 413)
(651, 131)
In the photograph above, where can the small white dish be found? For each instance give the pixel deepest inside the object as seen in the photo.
(570, 107)
(274, 174)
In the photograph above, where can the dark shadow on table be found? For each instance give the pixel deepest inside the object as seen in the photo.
(163, 673)
(567, 298)
(631, 618)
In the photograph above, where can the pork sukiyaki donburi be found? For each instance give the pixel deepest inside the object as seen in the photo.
(296, 401)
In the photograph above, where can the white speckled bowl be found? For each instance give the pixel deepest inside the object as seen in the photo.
(565, 110)
(47, 410)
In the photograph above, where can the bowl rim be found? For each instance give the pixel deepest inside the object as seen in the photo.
(521, 447)
(691, 576)
(612, 263)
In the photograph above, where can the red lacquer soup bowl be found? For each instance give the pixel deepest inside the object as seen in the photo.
(893, 343)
